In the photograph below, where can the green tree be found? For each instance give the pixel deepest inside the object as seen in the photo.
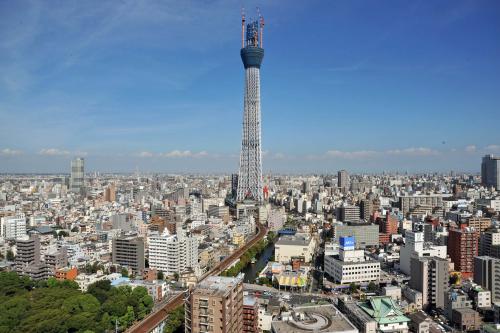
(175, 321)
(176, 276)
(372, 287)
(10, 255)
(124, 272)
(160, 275)
(353, 287)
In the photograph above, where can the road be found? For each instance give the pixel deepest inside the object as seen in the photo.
(155, 318)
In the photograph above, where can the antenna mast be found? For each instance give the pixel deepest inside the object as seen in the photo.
(261, 28)
(242, 27)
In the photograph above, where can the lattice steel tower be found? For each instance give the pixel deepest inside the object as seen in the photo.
(250, 176)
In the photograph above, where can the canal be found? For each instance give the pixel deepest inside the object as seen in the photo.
(252, 270)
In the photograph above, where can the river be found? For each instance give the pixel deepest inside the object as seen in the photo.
(252, 270)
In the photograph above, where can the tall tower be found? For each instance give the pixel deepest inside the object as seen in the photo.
(77, 175)
(250, 176)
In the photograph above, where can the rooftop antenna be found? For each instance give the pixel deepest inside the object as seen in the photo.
(261, 26)
(242, 27)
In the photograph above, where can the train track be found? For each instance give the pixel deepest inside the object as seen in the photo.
(154, 319)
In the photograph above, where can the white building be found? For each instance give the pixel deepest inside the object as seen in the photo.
(415, 247)
(173, 254)
(300, 246)
(13, 227)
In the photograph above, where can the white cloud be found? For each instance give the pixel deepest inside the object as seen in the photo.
(184, 154)
(61, 152)
(351, 154)
(145, 154)
(470, 148)
(10, 152)
(492, 148)
(420, 151)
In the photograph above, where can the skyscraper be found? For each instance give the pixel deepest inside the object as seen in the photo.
(490, 171)
(462, 248)
(77, 175)
(250, 185)
(343, 180)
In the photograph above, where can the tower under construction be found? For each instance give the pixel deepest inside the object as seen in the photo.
(250, 186)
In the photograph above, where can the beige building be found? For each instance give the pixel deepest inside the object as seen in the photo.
(215, 305)
(298, 246)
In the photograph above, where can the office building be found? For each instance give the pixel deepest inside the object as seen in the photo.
(365, 209)
(298, 246)
(348, 213)
(487, 275)
(13, 227)
(430, 275)
(215, 305)
(250, 185)
(27, 252)
(416, 247)
(173, 253)
(490, 171)
(462, 248)
(343, 181)
(77, 175)
(351, 266)
(489, 243)
(408, 203)
(128, 251)
(366, 234)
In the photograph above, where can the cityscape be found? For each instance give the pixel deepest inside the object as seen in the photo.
(357, 227)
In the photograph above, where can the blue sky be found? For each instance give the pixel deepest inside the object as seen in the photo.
(158, 85)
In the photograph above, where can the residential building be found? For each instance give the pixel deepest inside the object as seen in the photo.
(128, 251)
(430, 276)
(487, 275)
(416, 247)
(462, 248)
(13, 227)
(215, 305)
(173, 253)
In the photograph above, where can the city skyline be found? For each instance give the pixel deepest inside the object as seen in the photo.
(157, 87)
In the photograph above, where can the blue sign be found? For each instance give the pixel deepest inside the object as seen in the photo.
(347, 242)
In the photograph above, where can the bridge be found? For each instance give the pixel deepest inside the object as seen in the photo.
(155, 318)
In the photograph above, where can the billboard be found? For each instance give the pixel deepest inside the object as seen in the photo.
(347, 242)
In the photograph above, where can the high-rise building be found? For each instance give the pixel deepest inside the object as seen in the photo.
(250, 315)
(215, 305)
(28, 251)
(490, 171)
(487, 275)
(250, 184)
(489, 244)
(77, 175)
(13, 227)
(348, 213)
(128, 251)
(365, 209)
(462, 248)
(110, 193)
(415, 247)
(430, 276)
(172, 253)
(343, 180)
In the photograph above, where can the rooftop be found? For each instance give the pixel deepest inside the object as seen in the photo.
(297, 239)
(318, 318)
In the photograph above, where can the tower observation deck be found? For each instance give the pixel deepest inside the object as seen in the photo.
(250, 184)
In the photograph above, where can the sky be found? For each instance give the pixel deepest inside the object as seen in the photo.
(157, 86)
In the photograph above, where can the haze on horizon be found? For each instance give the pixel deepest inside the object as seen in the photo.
(158, 85)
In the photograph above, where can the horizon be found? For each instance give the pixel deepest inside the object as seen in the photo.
(158, 87)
